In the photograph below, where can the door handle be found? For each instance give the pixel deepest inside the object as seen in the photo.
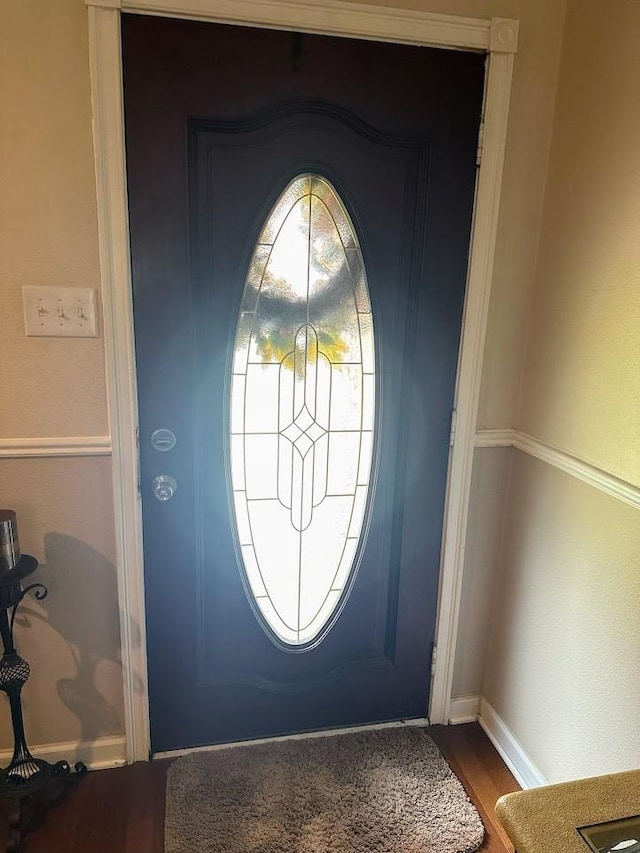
(164, 487)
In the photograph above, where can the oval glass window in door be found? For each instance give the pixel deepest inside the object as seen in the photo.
(302, 413)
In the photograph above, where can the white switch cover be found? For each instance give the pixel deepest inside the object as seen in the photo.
(63, 312)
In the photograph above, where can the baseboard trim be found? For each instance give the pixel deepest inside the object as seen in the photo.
(97, 754)
(511, 752)
(464, 709)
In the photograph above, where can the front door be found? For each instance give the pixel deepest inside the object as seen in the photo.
(300, 212)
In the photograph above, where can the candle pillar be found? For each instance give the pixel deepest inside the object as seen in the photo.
(9, 542)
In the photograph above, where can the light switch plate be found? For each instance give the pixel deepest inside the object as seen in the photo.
(62, 312)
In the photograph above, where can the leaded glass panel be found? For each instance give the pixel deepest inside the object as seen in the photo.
(302, 411)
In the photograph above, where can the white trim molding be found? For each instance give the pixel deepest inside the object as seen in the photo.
(83, 445)
(499, 39)
(503, 37)
(600, 479)
(464, 709)
(495, 438)
(115, 271)
(511, 751)
(596, 477)
(99, 754)
(331, 17)
(480, 274)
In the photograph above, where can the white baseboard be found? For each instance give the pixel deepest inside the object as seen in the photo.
(464, 709)
(513, 755)
(96, 754)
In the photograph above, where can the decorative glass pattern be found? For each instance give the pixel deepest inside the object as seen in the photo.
(302, 411)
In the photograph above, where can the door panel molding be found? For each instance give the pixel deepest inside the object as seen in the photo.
(296, 688)
(273, 122)
(498, 37)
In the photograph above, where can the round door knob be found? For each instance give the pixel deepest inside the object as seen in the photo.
(164, 487)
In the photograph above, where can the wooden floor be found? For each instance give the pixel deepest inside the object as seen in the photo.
(483, 773)
(122, 811)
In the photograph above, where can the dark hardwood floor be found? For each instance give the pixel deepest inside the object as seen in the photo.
(485, 776)
(122, 810)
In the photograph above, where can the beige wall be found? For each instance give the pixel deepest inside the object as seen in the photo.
(489, 489)
(582, 378)
(48, 219)
(71, 639)
(56, 387)
(562, 665)
(51, 386)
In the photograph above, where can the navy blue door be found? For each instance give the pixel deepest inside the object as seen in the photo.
(220, 122)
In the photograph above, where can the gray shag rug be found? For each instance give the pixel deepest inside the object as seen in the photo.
(382, 791)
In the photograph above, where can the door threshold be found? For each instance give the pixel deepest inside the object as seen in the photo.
(396, 724)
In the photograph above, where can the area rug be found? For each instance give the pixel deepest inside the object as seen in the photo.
(382, 791)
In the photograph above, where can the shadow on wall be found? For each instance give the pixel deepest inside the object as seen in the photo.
(81, 584)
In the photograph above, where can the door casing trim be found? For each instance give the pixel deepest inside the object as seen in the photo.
(498, 37)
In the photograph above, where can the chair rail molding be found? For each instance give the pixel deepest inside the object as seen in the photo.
(618, 488)
(495, 438)
(498, 38)
(597, 477)
(82, 445)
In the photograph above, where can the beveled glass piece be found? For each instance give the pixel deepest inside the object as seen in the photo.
(302, 413)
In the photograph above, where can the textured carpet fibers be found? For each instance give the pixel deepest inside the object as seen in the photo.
(383, 791)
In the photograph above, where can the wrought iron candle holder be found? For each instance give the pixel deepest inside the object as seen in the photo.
(25, 776)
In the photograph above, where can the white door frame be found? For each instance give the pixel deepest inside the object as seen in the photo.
(498, 37)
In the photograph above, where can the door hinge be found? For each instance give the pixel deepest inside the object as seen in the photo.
(139, 464)
(434, 652)
(480, 143)
(454, 421)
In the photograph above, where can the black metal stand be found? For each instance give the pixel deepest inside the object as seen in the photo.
(25, 776)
